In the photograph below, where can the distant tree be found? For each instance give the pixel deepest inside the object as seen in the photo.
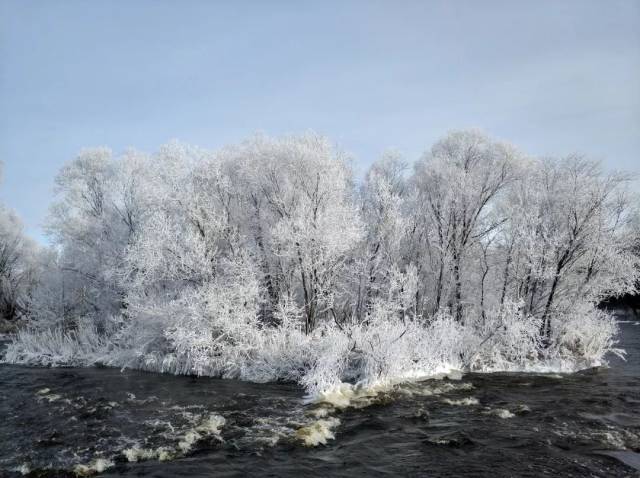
(92, 223)
(18, 266)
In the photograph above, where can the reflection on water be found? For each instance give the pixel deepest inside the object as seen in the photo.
(66, 422)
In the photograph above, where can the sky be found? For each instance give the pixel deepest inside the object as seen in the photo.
(551, 76)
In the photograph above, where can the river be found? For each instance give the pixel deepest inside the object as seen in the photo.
(69, 421)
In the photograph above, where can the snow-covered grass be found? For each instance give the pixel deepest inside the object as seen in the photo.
(56, 347)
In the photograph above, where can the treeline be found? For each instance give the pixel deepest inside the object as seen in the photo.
(274, 232)
(21, 263)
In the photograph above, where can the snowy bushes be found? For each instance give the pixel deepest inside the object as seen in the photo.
(584, 335)
(380, 352)
(505, 339)
(266, 261)
(393, 350)
(83, 346)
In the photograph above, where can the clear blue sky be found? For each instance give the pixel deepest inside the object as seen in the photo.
(551, 76)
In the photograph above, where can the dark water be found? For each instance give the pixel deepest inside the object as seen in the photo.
(584, 424)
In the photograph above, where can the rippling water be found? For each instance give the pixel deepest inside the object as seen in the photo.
(59, 422)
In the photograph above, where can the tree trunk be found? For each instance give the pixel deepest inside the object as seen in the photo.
(439, 286)
(545, 327)
(506, 275)
(458, 288)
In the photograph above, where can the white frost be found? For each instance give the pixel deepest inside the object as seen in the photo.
(267, 261)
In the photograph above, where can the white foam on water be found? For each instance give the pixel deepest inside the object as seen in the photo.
(135, 454)
(346, 395)
(269, 430)
(52, 397)
(131, 397)
(362, 394)
(212, 425)
(157, 423)
(462, 401)
(438, 441)
(22, 469)
(318, 432)
(45, 394)
(186, 438)
(617, 439)
(427, 389)
(501, 413)
(321, 412)
(164, 454)
(208, 427)
(271, 435)
(98, 465)
(186, 407)
(613, 439)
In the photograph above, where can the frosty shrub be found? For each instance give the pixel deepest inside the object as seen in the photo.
(585, 335)
(82, 346)
(506, 339)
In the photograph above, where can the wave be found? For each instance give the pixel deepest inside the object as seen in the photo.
(318, 432)
(98, 465)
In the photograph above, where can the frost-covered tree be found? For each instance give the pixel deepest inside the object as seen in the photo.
(387, 248)
(308, 196)
(92, 223)
(18, 267)
(19, 262)
(267, 260)
(457, 183)
(286, 204)
(568, 238)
